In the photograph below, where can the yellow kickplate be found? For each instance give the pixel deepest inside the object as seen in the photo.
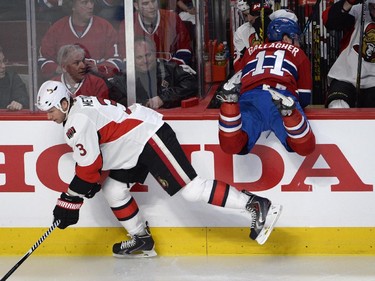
(200, 241)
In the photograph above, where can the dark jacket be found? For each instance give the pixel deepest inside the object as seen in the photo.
(335, 19)
(171, 83)
(12, 88)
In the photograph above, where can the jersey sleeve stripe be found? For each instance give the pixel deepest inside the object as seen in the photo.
(92, 172)
(113, 131)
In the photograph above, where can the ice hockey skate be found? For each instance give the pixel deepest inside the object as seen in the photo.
(139, 246)
(284, 104)
(271, 219)
(264, 217)
(231, 89)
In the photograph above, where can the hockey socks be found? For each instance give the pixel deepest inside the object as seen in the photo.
(300, 136)
(232, 138)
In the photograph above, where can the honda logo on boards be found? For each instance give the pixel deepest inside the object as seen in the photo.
(16, 159)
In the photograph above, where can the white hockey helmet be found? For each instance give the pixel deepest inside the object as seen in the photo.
(50, 95)
(242, 5)
(284, 13)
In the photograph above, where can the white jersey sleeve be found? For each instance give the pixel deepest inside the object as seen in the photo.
(241, 37)
(241, 40)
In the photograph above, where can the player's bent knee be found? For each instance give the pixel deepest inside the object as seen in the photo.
(233, 143)
(115, 191)
(303, 146)
(194, 190)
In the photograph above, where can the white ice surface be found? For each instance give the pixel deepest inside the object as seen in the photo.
(257, 268)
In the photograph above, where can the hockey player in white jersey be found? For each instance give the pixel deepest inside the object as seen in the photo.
(247, 34)
(346, 15)
(130, 143)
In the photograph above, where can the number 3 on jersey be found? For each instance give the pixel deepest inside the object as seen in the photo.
(82, 150)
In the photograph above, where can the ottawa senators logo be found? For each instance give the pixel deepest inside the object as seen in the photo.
(253, 40)
(50, 91)
(368, 47)
(164, 183)
(70, 132)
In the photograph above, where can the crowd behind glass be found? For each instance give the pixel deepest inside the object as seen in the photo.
(32, 33)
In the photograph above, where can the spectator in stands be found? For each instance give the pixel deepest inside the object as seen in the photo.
(13, 92)
(111, 10)
(186, 10)
(159, 83)
(82, 27)
(75, 74)
(50, 10)
(346, 15)
(164, 27)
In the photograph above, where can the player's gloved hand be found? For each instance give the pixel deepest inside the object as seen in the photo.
(93, 191)
(354, 2)
(67, 210)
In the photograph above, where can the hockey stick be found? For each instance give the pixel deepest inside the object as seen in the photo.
(32, 249)
(314, 11)
(262, 31)
(359, 67)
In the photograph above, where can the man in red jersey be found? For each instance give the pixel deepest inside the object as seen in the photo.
(82, 27)
(275, 83)
(164, 27)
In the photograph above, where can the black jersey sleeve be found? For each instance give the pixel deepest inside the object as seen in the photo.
(338, 19)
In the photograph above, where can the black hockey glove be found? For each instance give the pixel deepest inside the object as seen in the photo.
(67, 210)
(93, 191)
(354, 2)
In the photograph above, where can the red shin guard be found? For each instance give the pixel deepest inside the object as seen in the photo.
(232, 143)
(302, 145)
(232, 138)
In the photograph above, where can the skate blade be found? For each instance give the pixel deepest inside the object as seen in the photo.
(271, 219)
(144, 254)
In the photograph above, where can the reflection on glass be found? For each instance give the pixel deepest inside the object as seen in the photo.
(13, 93)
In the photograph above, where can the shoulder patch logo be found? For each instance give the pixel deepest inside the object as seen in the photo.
(70, 132)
